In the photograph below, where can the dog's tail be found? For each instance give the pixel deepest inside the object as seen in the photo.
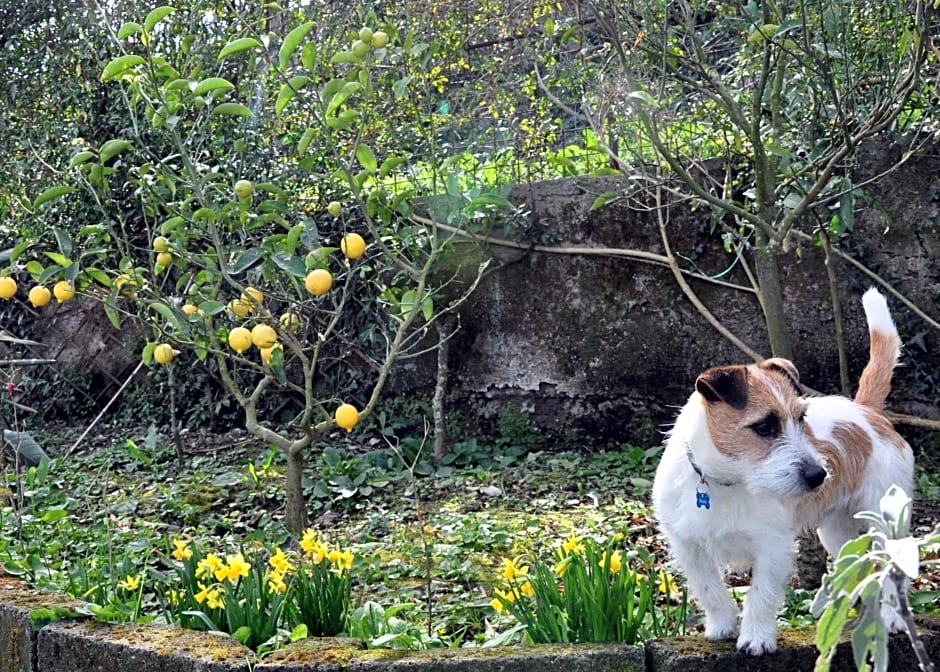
(885, 348)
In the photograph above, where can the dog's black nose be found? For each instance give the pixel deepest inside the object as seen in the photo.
(813, 476)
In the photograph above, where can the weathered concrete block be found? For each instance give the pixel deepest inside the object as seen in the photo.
(17, 637)
(797, 653)
(99, 647)
(302, 657)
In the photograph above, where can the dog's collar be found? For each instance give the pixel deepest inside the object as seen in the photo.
(702, 498)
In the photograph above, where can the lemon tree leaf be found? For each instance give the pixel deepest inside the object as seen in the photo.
(290, 263)
(291, 42)
(120, 65)
(81, 158)
(287, 92)
(59, 259)
(112, 148)
(604, 199)
(233, 109)
(211, 307)
(366, 157)
(236, 46)
(110, 309)
(156, 15)
(213, 84)
(246, 260)
(128, 29)
(341, 96)
(304, 143)
(64, 240)
(51, 194)
(172, 317)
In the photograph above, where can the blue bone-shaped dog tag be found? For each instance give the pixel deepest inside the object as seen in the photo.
(702, 500)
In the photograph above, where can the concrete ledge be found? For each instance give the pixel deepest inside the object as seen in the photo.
(89, 646)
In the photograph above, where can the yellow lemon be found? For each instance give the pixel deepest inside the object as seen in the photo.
(164, 259)
(126, 285)
(39, 296)
(163, 353)
(353, 246)
(268, 353)
(379, 39)
(189, 309)
(253, 297)
(263, 336)
(365, 34)
(63, 291)
(7, 287)
(161, 244)
(244, 189)
(318, 281)
(334, 208)
(347, 416)
(239, 339)
(239, 308)
(289, 322)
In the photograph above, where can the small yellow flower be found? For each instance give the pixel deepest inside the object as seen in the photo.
(211, 565)
(527, 589)
(667, 585)
(561, 567)
(500, 604)
(276, 583)
(181, 550)
(211, 596)
(280, 563)
(174, 597)
(615, 561)
(572, 545)
(312, 547)
(236, 567)
(131, 583)
(512, 571)
(342, 560)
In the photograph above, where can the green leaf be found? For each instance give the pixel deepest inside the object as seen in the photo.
(54, 515)
(239, 45)
(341, 96)
(291, 42)
(110, 309)
(233, 109)
(120, 65)
(304, 143)
(604, 199)
(213, 84)
(171, 317)
(831, 624)
(112, 148)
(81, 158)
(51, 194)
(128, 29)
(287, 92)
(59, 259)
(211, 307)
(156, 15)
(366, 157)
(246, 260)
(64, 240)
(290, 263)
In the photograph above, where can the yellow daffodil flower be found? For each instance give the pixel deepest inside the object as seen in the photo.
(280, 563)
(211, 565)
(181, 550)
(131, 583)
(572, 545)
(236, 567)
(341, 560)
(313, 548)
(211, 596)
(615, 560)
(512, 571)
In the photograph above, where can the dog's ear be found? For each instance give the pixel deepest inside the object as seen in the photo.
(725, 383)
(786, 367)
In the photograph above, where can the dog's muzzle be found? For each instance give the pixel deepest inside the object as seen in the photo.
(813, 476)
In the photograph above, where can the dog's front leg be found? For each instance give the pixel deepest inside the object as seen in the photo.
(772, 568)
(709, 589)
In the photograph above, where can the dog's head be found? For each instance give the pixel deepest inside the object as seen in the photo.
(754, 415)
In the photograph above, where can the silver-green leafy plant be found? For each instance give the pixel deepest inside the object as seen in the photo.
(869, 581)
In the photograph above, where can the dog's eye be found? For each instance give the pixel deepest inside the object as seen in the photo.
(768, 427)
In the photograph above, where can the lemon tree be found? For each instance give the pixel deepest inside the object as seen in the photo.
(261, 265)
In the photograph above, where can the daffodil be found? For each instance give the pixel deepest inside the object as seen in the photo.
(500, 599)
(211, 596)
(235, 567)
(314, 549)
(527, 589)
(341, 560)
(211, 565)
(572, 545)
(561, 567)
(276, 583)
(512, 571)
(614, 560)
(279, 562)
(181, 550)
(131, 583)
(667, 585)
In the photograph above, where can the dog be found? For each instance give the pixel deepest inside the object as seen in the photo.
(750, 462)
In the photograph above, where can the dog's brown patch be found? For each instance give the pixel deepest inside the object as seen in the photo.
(738, 398)
(884, 429)
(847, 456)
(875, 383)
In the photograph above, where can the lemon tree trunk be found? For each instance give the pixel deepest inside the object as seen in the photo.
(296, 508)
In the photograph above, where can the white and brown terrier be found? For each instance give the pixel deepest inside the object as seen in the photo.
(750, 462)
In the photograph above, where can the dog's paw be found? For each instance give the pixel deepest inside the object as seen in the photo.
(756, 646)
(720, 628)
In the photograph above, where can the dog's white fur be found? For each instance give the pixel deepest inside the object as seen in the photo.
(763, 489)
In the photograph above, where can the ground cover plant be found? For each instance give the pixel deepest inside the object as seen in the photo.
(459, 556)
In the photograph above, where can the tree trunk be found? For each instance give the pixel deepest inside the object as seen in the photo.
(767, 269)
(294, 495)
(445, 328)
